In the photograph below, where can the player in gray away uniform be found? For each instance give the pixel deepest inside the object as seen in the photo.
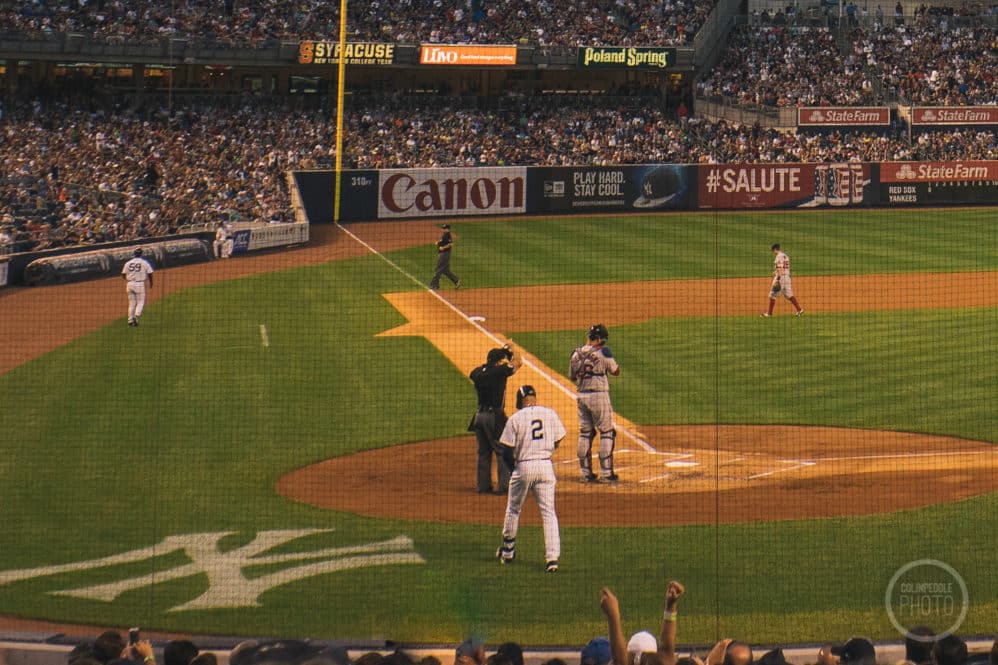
(531, 436)
(590, 364)
(782, 282)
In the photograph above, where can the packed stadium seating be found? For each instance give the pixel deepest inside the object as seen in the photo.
(627, 22)
(84, 169)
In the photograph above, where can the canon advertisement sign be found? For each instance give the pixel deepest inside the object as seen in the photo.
(445, 192)
(828, 116)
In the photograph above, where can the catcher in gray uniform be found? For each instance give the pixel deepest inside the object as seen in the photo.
(529, 439)
(589, 366)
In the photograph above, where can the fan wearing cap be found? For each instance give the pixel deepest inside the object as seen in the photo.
(597, 652)
(857, 651)
(444, 247)
(643, 648)
(135, 272)
(532, 434)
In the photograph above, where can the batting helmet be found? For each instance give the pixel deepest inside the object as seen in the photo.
(138, 251)
(524, 392)
(598, 331)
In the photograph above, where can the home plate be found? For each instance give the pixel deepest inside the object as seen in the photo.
(681, 463)
(477, 319)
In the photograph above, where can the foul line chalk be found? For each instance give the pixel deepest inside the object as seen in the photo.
(498, 341)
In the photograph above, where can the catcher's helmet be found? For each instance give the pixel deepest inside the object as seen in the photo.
(524, 391)
(598, 331)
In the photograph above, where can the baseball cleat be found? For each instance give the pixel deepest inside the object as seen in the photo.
(457, 284)
(551, 567)
(611, 478)
(799, 312)
(589, 478)
(765, 315)
(506, 552)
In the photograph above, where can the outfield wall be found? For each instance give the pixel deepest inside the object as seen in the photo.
(84, 262)
(463, 192)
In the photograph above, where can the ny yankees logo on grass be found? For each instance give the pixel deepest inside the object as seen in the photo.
(228, 585)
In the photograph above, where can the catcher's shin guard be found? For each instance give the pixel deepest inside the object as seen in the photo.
(607, 443)
(586, 438)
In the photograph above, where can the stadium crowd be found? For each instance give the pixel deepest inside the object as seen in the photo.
(922, 646)
(779, 66)
(83, 170)
(932, 63)
(225, 22)
(928, 63)
(74, 172)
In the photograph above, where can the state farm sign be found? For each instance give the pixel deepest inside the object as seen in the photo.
(446, 192)
(970, 171)
(833, 116)
(954, 115)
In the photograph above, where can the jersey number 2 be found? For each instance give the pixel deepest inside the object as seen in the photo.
(536, 429)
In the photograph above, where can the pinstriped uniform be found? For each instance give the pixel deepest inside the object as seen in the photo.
(533, 433)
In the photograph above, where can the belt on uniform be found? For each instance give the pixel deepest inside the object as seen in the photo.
(489, 408)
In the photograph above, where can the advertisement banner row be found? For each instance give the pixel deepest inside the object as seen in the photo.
(455, 192)
(478, 55)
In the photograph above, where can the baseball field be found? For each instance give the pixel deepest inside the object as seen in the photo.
(280, 448)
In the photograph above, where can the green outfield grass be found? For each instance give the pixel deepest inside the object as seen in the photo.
(128, 436)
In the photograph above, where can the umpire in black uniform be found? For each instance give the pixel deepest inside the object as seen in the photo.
(490, 417)
(444, 247)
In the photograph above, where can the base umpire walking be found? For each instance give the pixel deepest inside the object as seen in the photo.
(444, 247)
(490, 417)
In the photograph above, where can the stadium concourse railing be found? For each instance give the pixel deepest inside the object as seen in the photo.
(716, 107)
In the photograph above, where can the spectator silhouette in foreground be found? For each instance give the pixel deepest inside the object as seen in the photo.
(918, 644)
(857, 651)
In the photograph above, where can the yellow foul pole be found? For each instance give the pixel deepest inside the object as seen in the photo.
(340, 87)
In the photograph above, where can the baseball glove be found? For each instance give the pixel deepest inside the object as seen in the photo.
(777, 287)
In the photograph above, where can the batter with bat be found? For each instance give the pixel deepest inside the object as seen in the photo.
(589, 367)
(781, 282)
